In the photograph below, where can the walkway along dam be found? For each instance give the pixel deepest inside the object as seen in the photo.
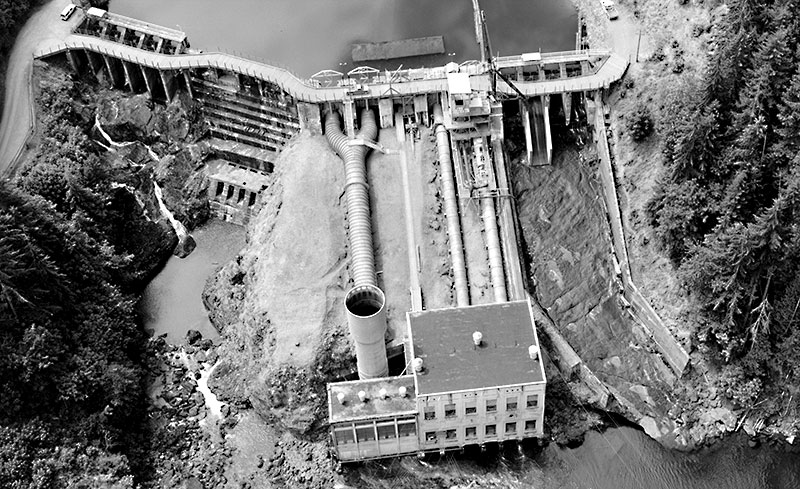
(473, 372)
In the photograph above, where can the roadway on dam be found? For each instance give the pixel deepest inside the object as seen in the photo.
(420, 81)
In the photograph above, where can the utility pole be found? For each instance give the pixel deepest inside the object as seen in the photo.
(638, 42)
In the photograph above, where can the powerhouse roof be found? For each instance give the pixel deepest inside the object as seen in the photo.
(443, 338)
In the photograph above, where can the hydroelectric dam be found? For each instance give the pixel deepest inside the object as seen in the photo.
(474, 371)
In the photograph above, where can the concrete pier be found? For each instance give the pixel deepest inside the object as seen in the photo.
(349, 116)
(115, 72)
(149, 81)
(566, 101)
(133, 77)
(187, 79)
(74, 63)
(95, 64)
(386, 112)
(526, 126)
(310, 118)
(548, 136)
(168, 82)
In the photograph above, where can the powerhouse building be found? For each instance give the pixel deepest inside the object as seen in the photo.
(476, 377)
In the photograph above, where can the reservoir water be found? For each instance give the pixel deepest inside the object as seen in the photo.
(172, 302)
(310, 35)
(307, 36)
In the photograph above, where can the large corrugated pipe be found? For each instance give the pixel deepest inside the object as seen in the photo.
(451, 210)
(493, 247)
(356, 193)
(365, 302)
(366, 319)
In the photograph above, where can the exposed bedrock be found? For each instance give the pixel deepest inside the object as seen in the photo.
(566, 233)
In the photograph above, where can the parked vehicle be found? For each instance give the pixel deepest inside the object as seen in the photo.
(68, 11)
(611, 9)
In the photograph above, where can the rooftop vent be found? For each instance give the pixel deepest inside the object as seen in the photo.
(383, 393)
(533, 352)
(418, 364)
(402, 391)
(362, 396)
(340, 397)
(477, 337)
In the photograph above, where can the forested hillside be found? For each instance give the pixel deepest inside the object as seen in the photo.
(75, 248)
(727, 209)
(12, 14)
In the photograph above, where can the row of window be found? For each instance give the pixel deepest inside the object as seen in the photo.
(471, 432)
(471, 408)
(369, 431)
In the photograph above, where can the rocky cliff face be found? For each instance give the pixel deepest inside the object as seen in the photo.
(136, 118)
(165, 145)
(279, 304)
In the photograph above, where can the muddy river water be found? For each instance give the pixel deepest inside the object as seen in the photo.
(172, 302)
(310, 35)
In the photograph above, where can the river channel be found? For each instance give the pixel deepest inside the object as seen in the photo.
(172, 302)
(310, 35)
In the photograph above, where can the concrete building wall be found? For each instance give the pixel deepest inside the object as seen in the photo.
(452, 420)
(375, 438)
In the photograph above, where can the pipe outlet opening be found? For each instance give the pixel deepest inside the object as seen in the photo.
(365, 301)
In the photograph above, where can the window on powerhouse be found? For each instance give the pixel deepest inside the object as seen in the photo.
(430, 413)
(449, 410)
(344, 436)
(491, 405)
(386, 431)
(450, 435)
(530, 425)
(471, 432)
(533, 401)
(407, 428)
(511, 404)
(491, 430)
(365, 433)
(511, 428)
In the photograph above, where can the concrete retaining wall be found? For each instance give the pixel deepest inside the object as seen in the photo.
(674, 354)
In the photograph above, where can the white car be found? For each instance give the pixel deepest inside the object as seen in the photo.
(68, 11)
(610, 8)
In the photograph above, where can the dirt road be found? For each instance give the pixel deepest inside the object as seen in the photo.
(44, 26)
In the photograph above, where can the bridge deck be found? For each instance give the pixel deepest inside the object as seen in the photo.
(424, 80)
